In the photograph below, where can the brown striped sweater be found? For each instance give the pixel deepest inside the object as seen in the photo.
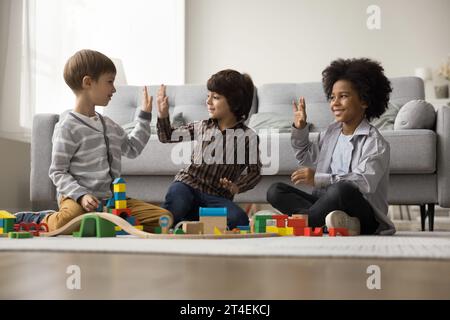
(215, 157)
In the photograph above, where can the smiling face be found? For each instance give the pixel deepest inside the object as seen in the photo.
(346, 104)
(218, 107)
(103, 89)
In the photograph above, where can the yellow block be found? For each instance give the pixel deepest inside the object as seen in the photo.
(120, 187)
(289, 231)
(243, 231)
(271, 229)
(117, 228)
(217, 231)
(141, 227)
(6, 215)
(121, 204)
(1, 230)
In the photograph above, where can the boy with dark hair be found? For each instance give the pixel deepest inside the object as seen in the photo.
(225, 148)
(87, 147)
(349, 165)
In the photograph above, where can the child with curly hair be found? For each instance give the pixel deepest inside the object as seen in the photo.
(349, 164)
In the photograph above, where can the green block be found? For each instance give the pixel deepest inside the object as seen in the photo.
(8, 225)
(157, 230)
(20, 235)
(179, 231)
(94, 226)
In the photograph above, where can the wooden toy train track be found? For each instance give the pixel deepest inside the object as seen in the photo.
(74, 225)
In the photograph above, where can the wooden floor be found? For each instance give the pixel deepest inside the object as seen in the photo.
(31, 275)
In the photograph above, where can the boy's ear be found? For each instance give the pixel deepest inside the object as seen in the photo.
(86, 82)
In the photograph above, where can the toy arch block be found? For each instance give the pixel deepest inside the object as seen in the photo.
(313, 232)
(94, 226)
(123, 213)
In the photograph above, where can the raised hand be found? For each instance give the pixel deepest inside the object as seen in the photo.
(163, 102)
(299, 113)
(229, 185)
(147, 101)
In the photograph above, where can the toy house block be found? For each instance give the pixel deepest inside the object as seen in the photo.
(209, 223)
(118, 196)
(313, 232)
(213, 217)
(260, 223)
(281, 220)
(217, 231)
(94, 226)
(296, 222)
(123, 213)
(301, 216)
(120, 204)
(193, 227)
(271, 222)
(333, 232)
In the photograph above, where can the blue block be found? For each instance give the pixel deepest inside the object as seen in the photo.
(118, 180)
(243, 227)
(131, 220)
(121, 233)
(120, 196)
(110, 203)
(216, 212)
(1, 223)
(100, 207)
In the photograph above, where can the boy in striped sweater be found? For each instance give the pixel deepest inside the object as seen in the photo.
(87, 147)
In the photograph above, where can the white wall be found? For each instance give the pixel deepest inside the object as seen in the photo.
(294, 40)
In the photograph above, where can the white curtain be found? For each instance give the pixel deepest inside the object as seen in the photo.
(145, 39)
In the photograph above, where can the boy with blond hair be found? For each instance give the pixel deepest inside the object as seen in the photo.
(87, 147)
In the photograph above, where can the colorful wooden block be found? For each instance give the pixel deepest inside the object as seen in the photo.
(313, 232)
(121, 204)
(94, 226)
(120, 196)
(271, 229)
(119, 188)
(123, 213)
(333, 232)
(301, 216)
(213, 212)
(192, 227)
(298, 231)
(296, 222)
(20, 235)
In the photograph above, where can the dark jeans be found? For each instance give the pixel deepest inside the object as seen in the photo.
(30, 216)
(184, 203)
(339, 196)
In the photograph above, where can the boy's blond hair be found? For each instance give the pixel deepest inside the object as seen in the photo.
(86, 63)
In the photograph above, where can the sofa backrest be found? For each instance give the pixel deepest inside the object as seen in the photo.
(187, 99)
(278, 97)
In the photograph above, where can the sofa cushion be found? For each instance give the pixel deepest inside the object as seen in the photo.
(415, 114)
(271, 120)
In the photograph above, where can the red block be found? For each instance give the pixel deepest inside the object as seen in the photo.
(333, 232)
(296, 223)
(281, 220)
(123, 213)
(316, 232)
(299, 231)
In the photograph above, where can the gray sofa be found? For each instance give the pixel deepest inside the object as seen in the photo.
(419, 167)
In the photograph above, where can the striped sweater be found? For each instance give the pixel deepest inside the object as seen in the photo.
(239, 163)
(80, 160)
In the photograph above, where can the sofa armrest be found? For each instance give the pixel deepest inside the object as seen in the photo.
(42, 190)
(443, 155)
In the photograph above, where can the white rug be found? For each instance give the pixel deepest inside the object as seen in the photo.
(403, 245)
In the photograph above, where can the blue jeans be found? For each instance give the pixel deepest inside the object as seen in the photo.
(184, 203)
(30, 216)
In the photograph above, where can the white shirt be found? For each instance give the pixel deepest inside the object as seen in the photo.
(342, 155)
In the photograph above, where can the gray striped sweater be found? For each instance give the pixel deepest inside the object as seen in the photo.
(80, 162)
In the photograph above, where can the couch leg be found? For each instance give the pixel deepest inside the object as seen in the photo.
(423, 216)
(430, 214)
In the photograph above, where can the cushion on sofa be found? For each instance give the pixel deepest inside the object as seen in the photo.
(387, 119)
(416, 114)
(271, 120)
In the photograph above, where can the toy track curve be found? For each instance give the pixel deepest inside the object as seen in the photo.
(75, 223)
